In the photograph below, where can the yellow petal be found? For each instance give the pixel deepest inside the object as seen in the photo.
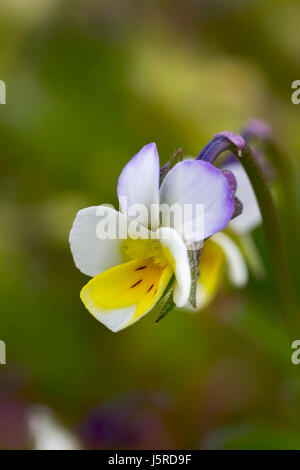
(148, 301)
(211, 266)
(138, 283)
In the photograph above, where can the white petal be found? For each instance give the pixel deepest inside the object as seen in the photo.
(176, 253)
(115, 319)
(190, 184)
(139, 184)
(236, 265)
(91, 254)
(250, 217)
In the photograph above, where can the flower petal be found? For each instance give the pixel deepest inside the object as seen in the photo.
(122, 295)
(252, 255)
(219, 252)
(236, 265)
(139, 183)
(250, 217)
(175, 252)
(91, 254)
(211, 267)
(198, 182)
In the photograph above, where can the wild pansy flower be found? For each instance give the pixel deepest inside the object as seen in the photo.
(130, 274)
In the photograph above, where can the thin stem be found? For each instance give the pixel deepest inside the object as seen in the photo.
(274, 236)
(286, 171)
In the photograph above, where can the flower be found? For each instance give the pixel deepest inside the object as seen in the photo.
(131, 273)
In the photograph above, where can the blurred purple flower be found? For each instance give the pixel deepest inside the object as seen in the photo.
(13, 427)
(135, 420)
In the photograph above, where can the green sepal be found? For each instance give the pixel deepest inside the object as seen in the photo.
(194, 252)
(176, 158)
(166, 303)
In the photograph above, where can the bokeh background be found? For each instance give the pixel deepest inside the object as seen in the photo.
(89, 82)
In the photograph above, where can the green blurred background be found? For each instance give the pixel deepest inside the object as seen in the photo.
(89, 82)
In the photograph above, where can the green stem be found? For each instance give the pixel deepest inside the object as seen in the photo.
(288, 192)
(274, 237)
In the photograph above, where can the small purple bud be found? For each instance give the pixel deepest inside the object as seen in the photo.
(238, 207)
(258, 128)
(231, 180)
(235, 139)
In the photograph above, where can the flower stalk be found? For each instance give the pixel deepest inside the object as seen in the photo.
(228, 141)
(274, 236)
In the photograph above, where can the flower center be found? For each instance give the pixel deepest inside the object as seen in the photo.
(145, 249)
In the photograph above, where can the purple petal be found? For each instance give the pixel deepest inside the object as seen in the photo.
(198, 182)
(139, 181)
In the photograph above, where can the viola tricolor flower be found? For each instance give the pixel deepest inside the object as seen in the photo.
(130, 275)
